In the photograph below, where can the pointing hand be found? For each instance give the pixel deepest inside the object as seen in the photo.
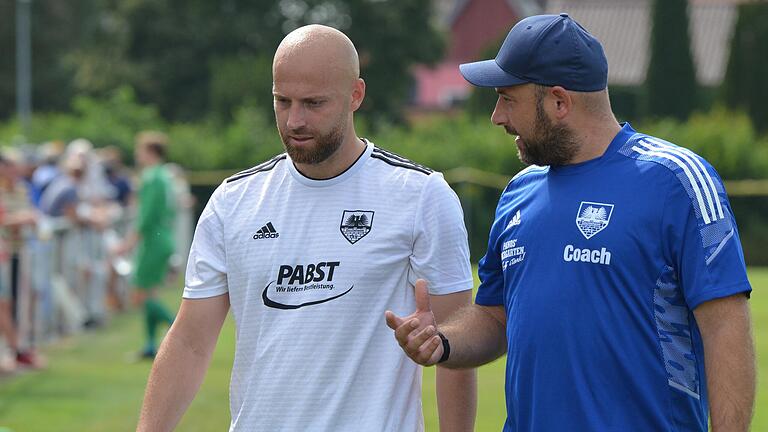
(417, 333)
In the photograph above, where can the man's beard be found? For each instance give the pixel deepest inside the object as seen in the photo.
(324, 147)
(550, 144)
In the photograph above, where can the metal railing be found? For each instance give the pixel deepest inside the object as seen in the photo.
(64, 278)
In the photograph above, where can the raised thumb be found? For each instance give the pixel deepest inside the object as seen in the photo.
(422, 295)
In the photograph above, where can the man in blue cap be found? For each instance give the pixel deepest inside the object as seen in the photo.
(614, 278)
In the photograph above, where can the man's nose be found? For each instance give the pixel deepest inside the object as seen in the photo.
(296, 117)
(496, 117)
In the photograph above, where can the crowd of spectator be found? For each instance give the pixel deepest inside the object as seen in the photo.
(63, 209)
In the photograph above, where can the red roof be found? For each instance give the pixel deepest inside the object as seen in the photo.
(478, 24)
(439, 87)
(474, 26)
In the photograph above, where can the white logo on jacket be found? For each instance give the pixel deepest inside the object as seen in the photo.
(515, 221)
(511, 253)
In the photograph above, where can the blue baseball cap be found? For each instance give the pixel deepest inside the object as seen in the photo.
(544, 49)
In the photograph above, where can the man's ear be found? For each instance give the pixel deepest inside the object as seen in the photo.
(358, 94)
(563, 102)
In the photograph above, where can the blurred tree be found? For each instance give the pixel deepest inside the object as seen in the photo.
(7, 63)
(671, 79)
(745, 84)
(391, 36)
(238, 81)
(191, 56)
(56, 30)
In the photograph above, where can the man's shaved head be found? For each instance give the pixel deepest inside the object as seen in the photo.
(317, 87)
(321, 50)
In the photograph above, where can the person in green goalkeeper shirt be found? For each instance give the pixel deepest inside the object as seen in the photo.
(153, 234)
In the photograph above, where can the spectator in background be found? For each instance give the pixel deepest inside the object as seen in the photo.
(17, 214)
(183, 225)
(153, 234)
(8, 333)
(60, 196)
(95, 188)
(59, 208)
(29, 161)
(118, 268)
(95, 206)
(48, 169)
(7, 327)
(112, 161)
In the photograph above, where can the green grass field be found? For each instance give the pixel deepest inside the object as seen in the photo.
(91, 385)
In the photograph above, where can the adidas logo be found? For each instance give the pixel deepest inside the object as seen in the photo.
(267, 231)
(515, 220)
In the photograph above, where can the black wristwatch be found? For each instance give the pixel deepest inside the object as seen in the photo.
(446, 348)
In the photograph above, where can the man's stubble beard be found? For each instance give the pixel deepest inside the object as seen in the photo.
(324, 147)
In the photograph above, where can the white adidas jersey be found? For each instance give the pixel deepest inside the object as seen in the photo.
(310, 267)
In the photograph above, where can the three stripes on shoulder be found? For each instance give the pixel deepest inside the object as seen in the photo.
(399, 161)
(700, 181)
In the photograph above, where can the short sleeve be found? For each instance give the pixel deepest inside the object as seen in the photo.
(491, 290)
(440, 251)
(702, 240)
(206, 274)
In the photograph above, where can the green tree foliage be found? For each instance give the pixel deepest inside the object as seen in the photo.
(7, 63)
(746, 81)
(390, 37)
(246, 141)
(671, 80)
(190, 56)
(238, 81)
(112, 120)
(725, 138)
(57, 29)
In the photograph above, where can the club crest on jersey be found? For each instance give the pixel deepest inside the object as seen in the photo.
(356, 224)
(593, 217)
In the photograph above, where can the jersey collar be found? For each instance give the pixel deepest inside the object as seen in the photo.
(349, 172)
(624, 134)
